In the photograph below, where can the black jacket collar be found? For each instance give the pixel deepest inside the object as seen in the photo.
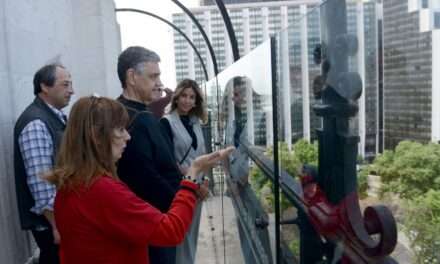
(133, 104)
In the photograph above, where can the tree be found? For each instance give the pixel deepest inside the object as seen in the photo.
(412, 171)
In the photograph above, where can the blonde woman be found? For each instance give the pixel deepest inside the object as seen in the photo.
(183, 125)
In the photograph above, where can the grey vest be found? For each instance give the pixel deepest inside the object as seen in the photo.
(36, 110)
(182, 140)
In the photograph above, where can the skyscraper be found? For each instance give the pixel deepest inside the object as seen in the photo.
(411, 46)
(254, 22)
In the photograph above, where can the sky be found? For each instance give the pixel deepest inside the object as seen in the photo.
(151, 33)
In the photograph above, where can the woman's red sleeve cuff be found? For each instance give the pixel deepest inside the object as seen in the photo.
(189, 186)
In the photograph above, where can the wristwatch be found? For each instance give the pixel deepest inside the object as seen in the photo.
(187, 177)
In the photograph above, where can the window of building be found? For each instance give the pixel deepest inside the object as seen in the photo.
(424, 3)
(437, 19)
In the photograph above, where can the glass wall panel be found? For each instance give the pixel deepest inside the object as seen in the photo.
(244, 120)
(333, 52)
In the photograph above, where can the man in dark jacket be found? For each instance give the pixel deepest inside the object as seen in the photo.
(147, 165)
(37, 135)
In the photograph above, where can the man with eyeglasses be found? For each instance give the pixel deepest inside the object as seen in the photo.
(147, 165)
(37, 136)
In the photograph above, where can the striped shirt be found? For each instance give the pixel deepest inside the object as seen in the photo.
(36, 147)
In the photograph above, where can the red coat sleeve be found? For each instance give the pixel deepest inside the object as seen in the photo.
(130, 219)
(173, 226)
(123, 215)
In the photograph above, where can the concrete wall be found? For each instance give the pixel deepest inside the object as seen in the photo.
(84, 36)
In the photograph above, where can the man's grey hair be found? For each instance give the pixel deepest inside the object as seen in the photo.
(134, 58)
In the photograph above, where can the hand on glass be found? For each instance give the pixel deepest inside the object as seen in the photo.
(207, 161)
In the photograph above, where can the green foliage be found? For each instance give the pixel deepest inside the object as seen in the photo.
(306, 152)
(294, 246)
(362, 180)
(257, 180)
(412, 171)
(291, 161)
(409, 171)
(422, 225)
(263, 188)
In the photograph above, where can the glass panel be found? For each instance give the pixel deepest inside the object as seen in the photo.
(300, 78)
(245, 92)
(378, 78)
(298, 84)
(244, 118)
(310, 59)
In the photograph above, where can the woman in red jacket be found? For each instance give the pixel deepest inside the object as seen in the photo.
(99, 219)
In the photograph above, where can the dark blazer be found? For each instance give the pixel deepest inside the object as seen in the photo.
(148, 165)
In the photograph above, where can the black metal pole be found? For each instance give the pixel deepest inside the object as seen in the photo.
(275, 148)
(202, 31)
(229, 28)
(338, 169)
(211, 51)
(174, 27)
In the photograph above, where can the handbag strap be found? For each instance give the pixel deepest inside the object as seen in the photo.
(186, 154)
(190, 145)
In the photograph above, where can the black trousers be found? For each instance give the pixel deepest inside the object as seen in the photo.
(48, 250)
(162, 255)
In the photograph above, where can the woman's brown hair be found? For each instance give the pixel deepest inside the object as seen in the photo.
(86, 148)
(199, 109)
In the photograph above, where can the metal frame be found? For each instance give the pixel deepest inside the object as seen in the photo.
(229, 28)
(276, 185)
(202, 31)
(174, 27)
(208, 44)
